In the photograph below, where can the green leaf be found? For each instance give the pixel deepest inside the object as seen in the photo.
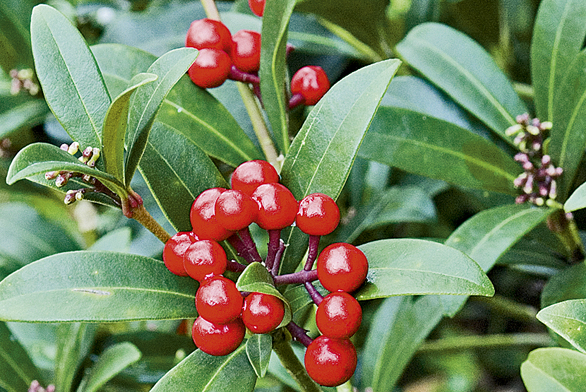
(17, 371)
(147, 100)
(177, 171)
(72, 83)
(324, 150)
(200, 372)
(96, 286)
(397, 329)
(258, 349)
(558, 36)
(465, 71)
(420, 144)
(299, 298)
(577, 199)
(74, 341)
(273, 68)
(554, 370)
(569, 283)
(116, 241)
(26, 114)
(567, 319)
(409, 266)
(115, 127)
(40, 158)
(489, 234)
(111, 362)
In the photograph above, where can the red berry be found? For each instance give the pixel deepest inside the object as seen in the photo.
(262, 313)
(210, 69)
(257, 6)
(311, 82)
(235, 210)
(277, 206)
(209, 34)
(174, 250)
(203, 216)
(318, 214)
(217, 339)
(339, 315)
(246, 51)
(249, 175)
(218, 300)
(341, 267)
(329, 361)
(203, 259)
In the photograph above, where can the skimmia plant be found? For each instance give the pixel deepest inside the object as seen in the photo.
(269, 195)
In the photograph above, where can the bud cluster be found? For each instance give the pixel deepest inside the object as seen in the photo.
(23, 80)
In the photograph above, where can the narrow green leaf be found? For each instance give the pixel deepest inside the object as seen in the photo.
(558, 36)
(409, 266)
(115, 127)
(74, 341)
(420, 144)
(111, 362)
(554, 370)
(325, 148)
(27, 114)
(147, 100)
(72, 83)
(577, 199)
(40, 158)
(465, 71)
(258, 349)
(177, 171)
(17, 370)
(273, 68)
(489, 234)
(96, 286)
(200, 372)
(567, 319)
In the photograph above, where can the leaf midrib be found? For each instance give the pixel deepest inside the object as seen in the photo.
(218, 371)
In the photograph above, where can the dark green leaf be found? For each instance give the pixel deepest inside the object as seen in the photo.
(408, 266)
(325, 148)
(177, 171)
(428, 146)
(558, 36)
(258, 349)
(200, 372)
(27, 114)
(96, 286)
(567, 319)
(273, 68)
(299, 298)
(567, 284)
(17, 371)
(577, 199)
(489, 234)
(465, 71)
(72, 83)
(15, 41)
(554, 370)
(115, 127)
(147, 100)
(73, 343)
(296, 242)
(111, 362)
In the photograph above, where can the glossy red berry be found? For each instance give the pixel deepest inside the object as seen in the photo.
(246, 51)
(249, 175)
(257, 6)
(330, 361)
(342, 267)
(174, 250)
(209, 34)
(210, 69)
(218, 300)
(235, 210)
(262, 313)
(318, 214)
(215, 339)
(203, 259)
(277, 206)
(311, 82)
(339, 315)
(203, 216)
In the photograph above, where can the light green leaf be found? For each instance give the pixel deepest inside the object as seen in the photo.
(17, 371)
(200, 372)
(567, 319)
(258, 349)
(116, 240)
(577, 199)
(409, 266)
(72, 83)
(74, 341)
(96, 286)
(554, 370)
(26, 114)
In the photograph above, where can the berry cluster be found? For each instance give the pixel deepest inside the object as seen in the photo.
(256, 196)
(224, 56)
